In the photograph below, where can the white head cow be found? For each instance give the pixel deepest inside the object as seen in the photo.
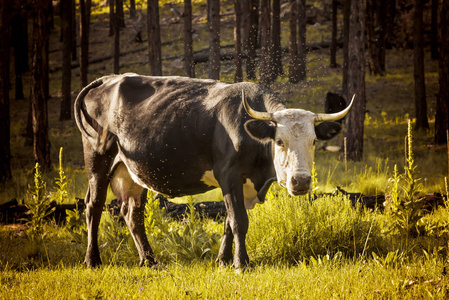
(293, 132)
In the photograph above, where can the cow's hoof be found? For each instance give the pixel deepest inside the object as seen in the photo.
(92, 263)
(154, 266)
(224, 259)
(241, 264)
(159, 267)
(240, 269)
(150, 263)
(243, 268)
(223, 262)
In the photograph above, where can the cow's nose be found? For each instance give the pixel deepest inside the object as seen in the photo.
(300, 183)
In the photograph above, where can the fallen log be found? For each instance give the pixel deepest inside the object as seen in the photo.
(59, 214)
(369, 201)
(426, 203)
(211, 210)
(12, 212)
(430, 202)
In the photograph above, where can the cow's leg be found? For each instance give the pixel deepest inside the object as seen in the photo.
(134, 215)
(225, 253)
(237, 218)
(95, 199)
(97, 167)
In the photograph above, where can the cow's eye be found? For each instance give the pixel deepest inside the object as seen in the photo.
(314, 142)
(280, 143)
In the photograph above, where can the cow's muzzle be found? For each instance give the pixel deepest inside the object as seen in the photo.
(299, 184)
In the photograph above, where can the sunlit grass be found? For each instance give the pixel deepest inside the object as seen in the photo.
(339, 279)
(293, 229)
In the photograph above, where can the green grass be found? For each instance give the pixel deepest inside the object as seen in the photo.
(292, 230)
(338, 279)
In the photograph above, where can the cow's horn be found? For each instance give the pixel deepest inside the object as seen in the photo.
(335, 116)
(259, 115)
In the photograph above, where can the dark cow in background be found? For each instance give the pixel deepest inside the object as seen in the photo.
(334, 103)
(181, 136)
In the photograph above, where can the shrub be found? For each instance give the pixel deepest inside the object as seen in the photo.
(61, 182)
(405, 211)
(38, 202)
(289, 228)
(76, 223)
(185, 242)
(115, 241)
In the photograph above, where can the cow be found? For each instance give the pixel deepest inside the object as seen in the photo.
(334, 103)
(182, 136)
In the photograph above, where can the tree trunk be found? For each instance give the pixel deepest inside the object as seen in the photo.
(73, 28)
(375, 27)
(356, 82)
(442, 109)
(389, 30)
(19, 86)
(245, 7)
(132, 8)
(372, 62)
(51, 17)
(46, 57)
(333, 49)
(302, 50)
(116, 18)
(252, 39)
(238, 43)
(85, 7)
(434, 30)
(189, 66)
(41, 143)
(293, 43)
(66, 23)
(276, 51)
(418, 70)
(121, 13)
(111, 17)
(346, 15)
(61, 11)
(265, 32)
(29, 136)
(5, 42)
(382, 36)
(154, 38)
(213, 20)
(19, 41)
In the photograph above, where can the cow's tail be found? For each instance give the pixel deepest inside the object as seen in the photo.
(97, 135)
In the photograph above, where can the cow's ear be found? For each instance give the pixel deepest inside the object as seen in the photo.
(327, 130)
(262, 131)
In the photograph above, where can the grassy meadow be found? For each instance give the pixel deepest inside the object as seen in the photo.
(299, 248)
